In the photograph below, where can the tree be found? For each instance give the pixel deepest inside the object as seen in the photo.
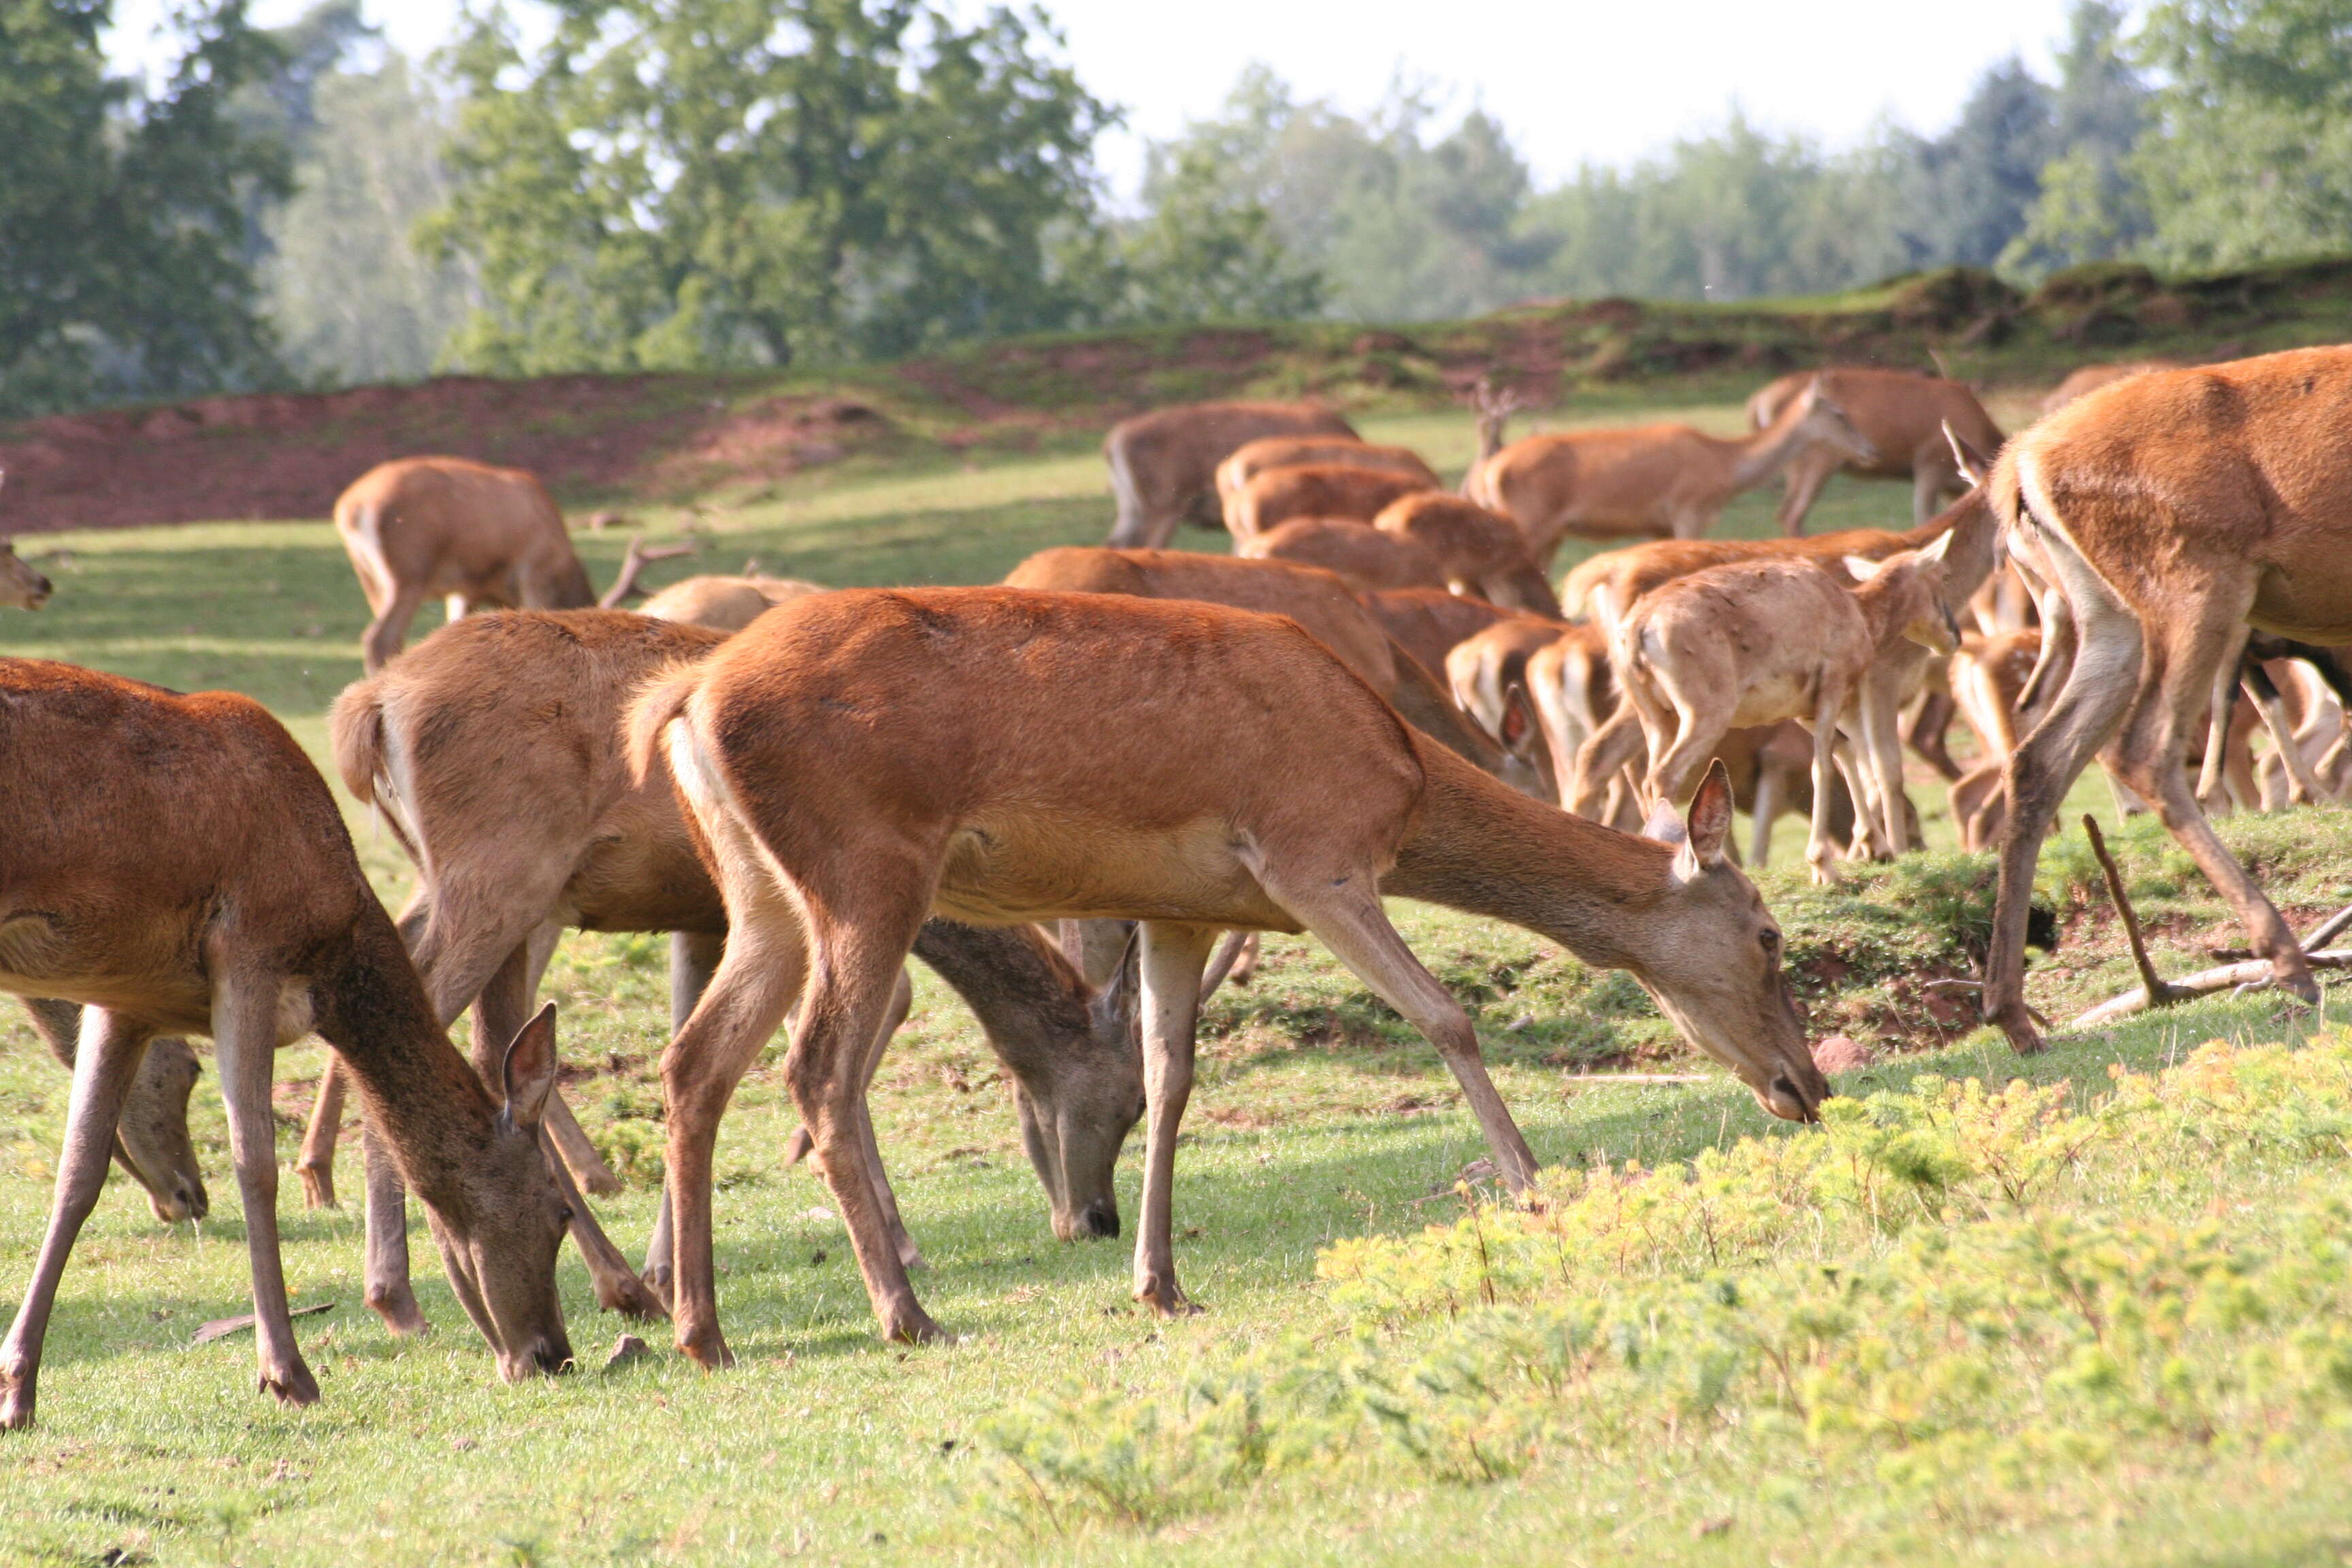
(738, 181)
(2091, 206)
(125, 224)
(2250, 157)
(1206, 252)
(1976, 182)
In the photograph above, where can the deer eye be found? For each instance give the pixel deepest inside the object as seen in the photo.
(1768, 940)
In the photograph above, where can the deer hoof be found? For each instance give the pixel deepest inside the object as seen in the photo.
(292, 1383)
(706, 1349)
(398, 1309)
(318, 1186)
(913, 1326)
(1167, 1301)
(632, 1298)
(16, 1402)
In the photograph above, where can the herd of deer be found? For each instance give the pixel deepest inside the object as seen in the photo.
(1078, 794)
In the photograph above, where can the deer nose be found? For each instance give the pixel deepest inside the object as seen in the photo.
(1786, 1100)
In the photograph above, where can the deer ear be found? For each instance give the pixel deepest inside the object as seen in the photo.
(1709, 822)
(1933, 554)
(528, 1074)
(1861, 568)
(1973, 464)
(1665, 824)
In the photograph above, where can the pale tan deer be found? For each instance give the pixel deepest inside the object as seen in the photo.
(21, 587)
(2089, 378)
(1757, 642)
(418, 528)
(856, 759)
(1318, 601)
(1427, 623)
(1480, 552)
(1666, 481)
(2171, 510)
(1314, 490)
(492, 748)
(1163, 464)
(1988, 677)
(1902, 417)
(725, 603)
(220, 896)
(1298, 451)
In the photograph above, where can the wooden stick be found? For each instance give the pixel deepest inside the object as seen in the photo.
(221, 1328)
(2328, 929)
(2156, 992)
(2256, 972)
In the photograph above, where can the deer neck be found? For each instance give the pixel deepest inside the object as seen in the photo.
(372, 1007)
(1879, 604)
(1482, 847)
(1755, 459)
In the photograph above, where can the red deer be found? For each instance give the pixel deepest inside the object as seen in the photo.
(1163, 464)
(2171, 510)
(724, 604)
(859, 758)
(1480, 552)
(1668, 480)
(1314, 490)
(1901, 416)
(2089, 378)
(220, 896)
(1298, 452)
(1426, 623)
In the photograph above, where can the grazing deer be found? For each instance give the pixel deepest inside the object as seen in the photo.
(1757, 642)
(1318, 601)
(419, 527)
(1298, 452)
(1314, 490)
(1902, 417)
(1494, 410)
(219, 896)
(725, 603)
(1359, 554)
(1481, 553)
(150, 1139)
(2171, 510)
(2089, 378)
(1482, 669)
(858, 758)
(493, 751)
(1163, 464)
(1668, 480)
(1426, 623)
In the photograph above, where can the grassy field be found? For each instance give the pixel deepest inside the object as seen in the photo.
(1065, 1427)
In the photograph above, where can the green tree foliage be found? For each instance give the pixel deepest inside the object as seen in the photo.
(1206, 253)
(125, 221)
(2250, 157)
(740, 182)
(2091, 207)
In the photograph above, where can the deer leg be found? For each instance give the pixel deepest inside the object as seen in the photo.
(2217, 733)
(104, 1064)
(316, 1163)
(245, 1050)
(2305, 788)
(1173, 958)
(1806, 476)
(2149, 754)
(1927, 484)
(2099, 686)
(693, 959)
(1609, 748)
(151, 1135)
(902, 1001)
(1346, 914)
(1925, 730)
(1820, 853)
(755, 983)
(855, 964)
(1765, 812)
(384, 1281)
(1883, 763)
(389, 630)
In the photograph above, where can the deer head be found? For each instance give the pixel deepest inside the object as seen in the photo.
(1821, 422)
(1072, 1122)
(20, 586)
(1909, 589)
(1717, 971)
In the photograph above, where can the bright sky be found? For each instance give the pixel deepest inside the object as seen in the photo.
(1574, 81)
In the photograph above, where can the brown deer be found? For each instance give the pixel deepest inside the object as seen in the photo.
(2172, 510)
(2089, 378)
(1298, 452)
(1480, 552)
(1495, 409)
(1318, 601)
(1668, 480)
(1356, 552)
(725, 603)
(1314, 490)
(492, 749)
(1230, 773)
(1901, 416)
(1426, 623)
(1482, 669)
(418, 527)
(1757, 642)
(21, 587)
(1163, 464)
(248, 919)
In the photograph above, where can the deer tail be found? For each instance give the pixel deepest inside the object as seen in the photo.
(658, 701)
(355, 737)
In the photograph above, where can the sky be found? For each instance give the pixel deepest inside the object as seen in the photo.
(1573, 82)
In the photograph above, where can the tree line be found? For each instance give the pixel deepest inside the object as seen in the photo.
(692, 183)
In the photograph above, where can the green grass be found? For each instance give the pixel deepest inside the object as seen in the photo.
(1319, 1117)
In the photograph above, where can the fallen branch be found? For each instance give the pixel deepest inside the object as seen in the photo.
(2154, 992)
(2254, 974)
(221, 1328)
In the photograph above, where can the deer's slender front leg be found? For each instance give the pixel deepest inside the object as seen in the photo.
(244, 1049)
(316, 1163)
(1173, 955)
(385, 1275)
(104, 1064)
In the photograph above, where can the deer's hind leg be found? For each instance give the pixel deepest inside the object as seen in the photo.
(104, 1064)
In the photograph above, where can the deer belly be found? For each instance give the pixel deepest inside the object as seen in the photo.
(1044, 868)
(1788, 695)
